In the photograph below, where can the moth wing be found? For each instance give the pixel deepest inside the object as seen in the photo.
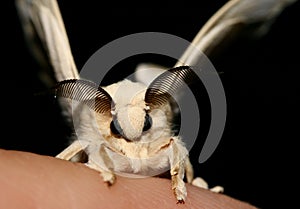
(47, 39)
(146, 72)
(233, 19)
(230, 21)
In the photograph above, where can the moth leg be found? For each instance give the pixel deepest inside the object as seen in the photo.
(177, 171)
(107, 175)
(217, 189)
(201, 183)
(73, 149)
(189, 171)
(178, 185)
(101, 162)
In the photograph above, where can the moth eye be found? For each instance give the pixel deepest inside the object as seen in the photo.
(147, 123)
(115, 128)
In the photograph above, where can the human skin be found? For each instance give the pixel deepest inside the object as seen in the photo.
(32, 181)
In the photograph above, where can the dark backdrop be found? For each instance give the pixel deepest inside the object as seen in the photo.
(257, 156)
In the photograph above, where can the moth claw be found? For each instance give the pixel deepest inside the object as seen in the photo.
(180, 196)
(108, 178)
(108, 183)
(180, 202)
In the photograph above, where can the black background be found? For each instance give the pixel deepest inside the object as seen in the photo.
(256, 159)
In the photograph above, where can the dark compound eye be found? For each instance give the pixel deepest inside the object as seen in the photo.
(147, 123)
(115, 127)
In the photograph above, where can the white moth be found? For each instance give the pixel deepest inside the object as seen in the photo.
(134, 128)
(132, 132)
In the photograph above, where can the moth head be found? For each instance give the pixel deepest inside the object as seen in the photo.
(130, 118)
(146, 111)
(130, 110)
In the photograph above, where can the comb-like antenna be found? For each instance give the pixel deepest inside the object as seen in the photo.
(85, 91)
(167, 84)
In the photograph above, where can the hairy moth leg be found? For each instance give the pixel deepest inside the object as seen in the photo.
(178, 185)
(72, 150)
(177, 170)
(101, 162)
(189, 171)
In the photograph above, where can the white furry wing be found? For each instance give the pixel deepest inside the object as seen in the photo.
(41, 20)
(47, 39)
(230, 20)
(225, 24)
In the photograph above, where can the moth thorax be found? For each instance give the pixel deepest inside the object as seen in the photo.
(131, 120)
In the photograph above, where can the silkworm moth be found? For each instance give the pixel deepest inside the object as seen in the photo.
(135, 128)
(135, 125)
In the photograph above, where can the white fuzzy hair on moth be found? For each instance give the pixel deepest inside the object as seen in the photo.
(133, 126)
(129, 106)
